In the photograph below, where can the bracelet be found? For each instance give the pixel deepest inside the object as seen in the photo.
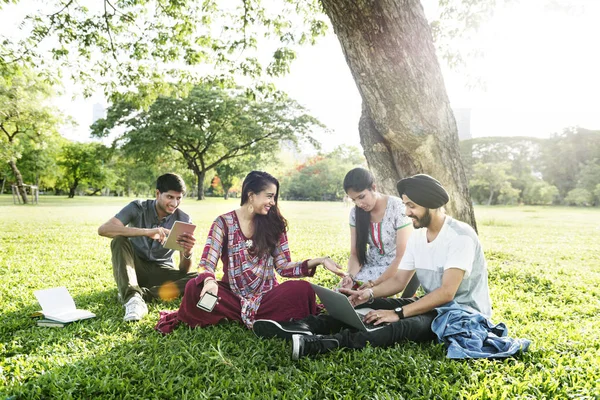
(187, 258)
(371, 297)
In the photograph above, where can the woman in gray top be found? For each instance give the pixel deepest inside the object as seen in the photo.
(379, 230)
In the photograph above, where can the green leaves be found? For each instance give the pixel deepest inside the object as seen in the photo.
(116, 42)
(208, 126)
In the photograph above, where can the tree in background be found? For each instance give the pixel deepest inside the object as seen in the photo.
(407, 125)
(523, 154)
(491, 182)
(83, 163)
(25, 117)
(38, 162)
(321, 177)
(543, 170)
(539, 192)
(564, 156)
(233, 170)
(579, 197)
(589, 179)
(209, 126)
(137, 179)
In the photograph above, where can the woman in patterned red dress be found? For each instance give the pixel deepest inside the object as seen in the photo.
(252, 243)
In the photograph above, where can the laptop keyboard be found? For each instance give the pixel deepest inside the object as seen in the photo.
(370, 325)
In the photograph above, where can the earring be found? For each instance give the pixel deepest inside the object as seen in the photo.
(250, 208)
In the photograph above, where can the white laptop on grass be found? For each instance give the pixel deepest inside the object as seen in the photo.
(339, 307)
(58, 305)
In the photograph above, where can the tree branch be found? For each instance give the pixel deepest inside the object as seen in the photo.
(233, 152)
(112, 44)
(43, 36)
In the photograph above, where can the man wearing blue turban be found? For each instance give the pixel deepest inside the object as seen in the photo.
(448, 259)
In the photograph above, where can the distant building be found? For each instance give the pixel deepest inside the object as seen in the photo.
(98, 112)
(463, 122)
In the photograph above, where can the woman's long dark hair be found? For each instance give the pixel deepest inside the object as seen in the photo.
(359, 179)
(267, 228)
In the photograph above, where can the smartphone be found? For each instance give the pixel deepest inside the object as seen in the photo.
(207, 302)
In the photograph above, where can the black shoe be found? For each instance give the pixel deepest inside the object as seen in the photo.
(303, 346)
(266, 328)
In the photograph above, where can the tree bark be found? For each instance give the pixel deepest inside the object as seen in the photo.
(72, 189)
(407, 126)
(19, 178)
(200, 176)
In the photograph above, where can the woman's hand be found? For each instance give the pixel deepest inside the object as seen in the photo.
(346, 282)
(367, 285)
(210, 285)
(330, 265)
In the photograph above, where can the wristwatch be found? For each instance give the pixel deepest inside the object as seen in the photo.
(400, 312)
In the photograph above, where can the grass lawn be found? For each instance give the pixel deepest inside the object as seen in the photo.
(544, 266)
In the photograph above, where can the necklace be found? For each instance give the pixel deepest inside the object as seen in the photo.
(249, 243)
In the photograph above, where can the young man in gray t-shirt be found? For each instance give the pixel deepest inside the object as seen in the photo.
(445, 254)
(142, 267)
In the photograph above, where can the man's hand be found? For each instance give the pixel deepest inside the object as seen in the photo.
(159, 234)
(356, 297)
(187, 241)
(377, 317)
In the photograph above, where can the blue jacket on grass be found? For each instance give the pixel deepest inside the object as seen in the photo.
(469, 334)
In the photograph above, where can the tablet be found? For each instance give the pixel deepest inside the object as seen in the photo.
(178, 228)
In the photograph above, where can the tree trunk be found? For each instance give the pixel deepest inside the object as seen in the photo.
(200, 176)
(19, 178)
(407, 125)
(72, 189)
(226, 191)
(491, 197)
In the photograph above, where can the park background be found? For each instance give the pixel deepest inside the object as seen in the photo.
(530, 148)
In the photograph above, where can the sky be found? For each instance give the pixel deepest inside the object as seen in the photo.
(540, 67)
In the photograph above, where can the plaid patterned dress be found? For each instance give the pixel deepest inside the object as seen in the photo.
(248, 275)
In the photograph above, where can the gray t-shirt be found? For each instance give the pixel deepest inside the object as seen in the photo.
(456, 246)
(142, 214)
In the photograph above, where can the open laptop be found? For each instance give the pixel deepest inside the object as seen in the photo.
(339, 307)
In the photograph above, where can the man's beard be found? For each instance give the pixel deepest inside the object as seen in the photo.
(164, 209)
(422, 222)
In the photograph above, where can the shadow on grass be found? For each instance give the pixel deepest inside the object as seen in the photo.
(105, 357)
(226, 361)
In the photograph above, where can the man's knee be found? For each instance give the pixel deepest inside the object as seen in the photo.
(119, 242)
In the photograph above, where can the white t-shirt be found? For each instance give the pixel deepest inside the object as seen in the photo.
(456, 246)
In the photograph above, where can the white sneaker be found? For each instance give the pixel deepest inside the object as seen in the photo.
(135, 309)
